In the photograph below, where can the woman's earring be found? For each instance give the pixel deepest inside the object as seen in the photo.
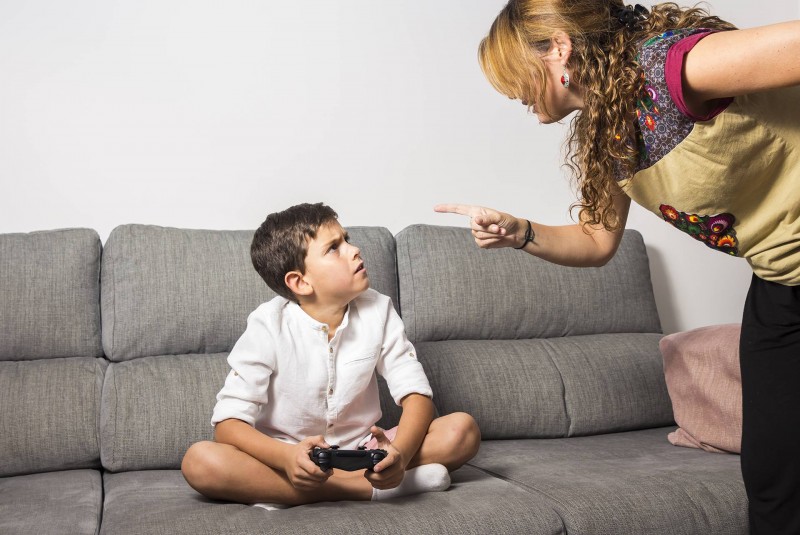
(565, 78)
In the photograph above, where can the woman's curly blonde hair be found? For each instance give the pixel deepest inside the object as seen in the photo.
(602, 143)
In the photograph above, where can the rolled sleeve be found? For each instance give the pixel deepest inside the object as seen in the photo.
(398, 363)
(246, 387)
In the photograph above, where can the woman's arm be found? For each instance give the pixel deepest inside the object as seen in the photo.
(568, 245)
(738, 62)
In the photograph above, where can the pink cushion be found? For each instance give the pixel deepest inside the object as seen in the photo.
(705, 384)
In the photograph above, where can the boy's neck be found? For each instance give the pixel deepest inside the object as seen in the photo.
(331, 314)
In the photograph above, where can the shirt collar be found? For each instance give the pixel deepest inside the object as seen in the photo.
(314, 324)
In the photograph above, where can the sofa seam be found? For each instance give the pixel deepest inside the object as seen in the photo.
(412, 292)
(116, 415)
(112, 269)
(526, 488)
(396, 273)
(102, 504)
(99, 405)
(549, 349)
(99, 302)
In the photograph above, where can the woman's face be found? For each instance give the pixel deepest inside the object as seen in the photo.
(559, 101)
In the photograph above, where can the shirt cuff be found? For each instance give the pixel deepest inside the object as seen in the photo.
(238, 409)
(673, 72)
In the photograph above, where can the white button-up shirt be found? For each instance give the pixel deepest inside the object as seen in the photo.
(290, 382)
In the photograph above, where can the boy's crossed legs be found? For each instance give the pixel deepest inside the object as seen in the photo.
(223, 472)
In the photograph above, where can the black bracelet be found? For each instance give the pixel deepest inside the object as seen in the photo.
(529, 236)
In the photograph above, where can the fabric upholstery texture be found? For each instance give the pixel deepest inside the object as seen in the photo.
(553, 387)
(452, 290)
(612, 382)
(161, 502)
(154, 408)
(175, 291)
(168, 291)
(511, 387)
(702, 373)
(50, 294)
(620, 483)
(51, 504)
(50, 414)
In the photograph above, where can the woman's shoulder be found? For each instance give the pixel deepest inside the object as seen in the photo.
(664, 40)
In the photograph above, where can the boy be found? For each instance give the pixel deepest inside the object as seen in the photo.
(303, 376)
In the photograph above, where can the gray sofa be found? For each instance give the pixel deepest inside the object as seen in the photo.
(110, 358)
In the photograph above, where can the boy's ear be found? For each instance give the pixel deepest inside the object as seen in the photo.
(297, 283)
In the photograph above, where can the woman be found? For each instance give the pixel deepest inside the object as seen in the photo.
(700, 123)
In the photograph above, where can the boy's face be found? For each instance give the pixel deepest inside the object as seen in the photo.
(334, 267)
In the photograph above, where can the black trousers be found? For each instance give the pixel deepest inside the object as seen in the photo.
(770, 361)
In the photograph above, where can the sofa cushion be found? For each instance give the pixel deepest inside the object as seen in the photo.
(705, 385)
(154, 408)
(162, 502)
(511, 387)
(556, 387)
(634, 482)
(452, 290)
(50, 414)
(52, 503)
(50, 294)
(178, 291)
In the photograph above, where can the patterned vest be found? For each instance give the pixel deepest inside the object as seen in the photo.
(732, 182)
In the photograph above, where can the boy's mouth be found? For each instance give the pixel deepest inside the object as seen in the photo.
(360, 267)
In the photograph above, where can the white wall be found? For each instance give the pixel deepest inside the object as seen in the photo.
(208, 114)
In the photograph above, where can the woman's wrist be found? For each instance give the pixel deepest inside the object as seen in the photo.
(526, 235)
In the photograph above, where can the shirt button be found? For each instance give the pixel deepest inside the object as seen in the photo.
(330, 391)
(331, 349)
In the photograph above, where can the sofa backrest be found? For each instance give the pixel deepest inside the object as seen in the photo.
(532, 349)
(174, 301)
(50, 374)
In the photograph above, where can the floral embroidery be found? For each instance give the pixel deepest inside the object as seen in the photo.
(657, 38)
(716, 231)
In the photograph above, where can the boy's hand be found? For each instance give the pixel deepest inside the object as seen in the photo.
(390, 472)
(303, 474)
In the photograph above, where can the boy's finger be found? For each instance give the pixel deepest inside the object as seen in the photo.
(381, 466)
(318, 441)
(377, 433)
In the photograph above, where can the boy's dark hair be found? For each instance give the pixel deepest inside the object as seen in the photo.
(280, 244)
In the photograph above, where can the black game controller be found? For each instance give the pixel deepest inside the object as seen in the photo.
(349, 460)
